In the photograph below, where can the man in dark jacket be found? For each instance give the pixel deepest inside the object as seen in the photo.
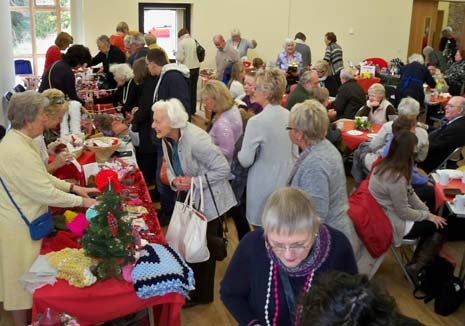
(444, 140)
(108, 55)
(350, 97)
(173, 82)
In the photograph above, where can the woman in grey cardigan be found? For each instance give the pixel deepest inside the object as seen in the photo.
(190, 153)
(409, 216)
(319, 170)
(266, 149)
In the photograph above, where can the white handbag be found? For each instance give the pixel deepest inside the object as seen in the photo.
(187, 231)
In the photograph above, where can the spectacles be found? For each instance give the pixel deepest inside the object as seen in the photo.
(289, 128)
(294, 248)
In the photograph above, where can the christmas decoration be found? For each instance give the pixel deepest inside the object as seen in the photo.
(109, 238)
(106, 176)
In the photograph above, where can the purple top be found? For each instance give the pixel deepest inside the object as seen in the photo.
(254, 106)
(283, 62)
(226, 130)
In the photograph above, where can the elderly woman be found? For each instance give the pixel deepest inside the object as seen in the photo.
(290, 61)
(410, 218)
(62, 41)
(434, 57)
(319, 170)
(266, 148)
(24, 175)
(54, 112)
(412, 78)
(60, 75)
(441, 84)
(378, 108)
(190, 153)
(240, 44)
(456, 74)
(249, 91)
(108, 55)
(227, 122)
(326, 78)
(127, 93)
(333, 53)
(273, 267)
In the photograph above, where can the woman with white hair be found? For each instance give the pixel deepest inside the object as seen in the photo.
(273, 267)
(240, 44)
(290, 61)
(412, 77)
(378, 108)
(127, 93)
(319, 170)
(190, 153)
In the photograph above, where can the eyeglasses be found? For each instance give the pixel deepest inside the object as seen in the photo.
(289, 128)
(294, 248)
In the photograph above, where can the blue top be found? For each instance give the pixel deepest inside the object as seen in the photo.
(417, 179)
(244, 286)
(176, 163)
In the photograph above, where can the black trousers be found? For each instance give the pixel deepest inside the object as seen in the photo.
(421, 229)
(426, 194)
(204, 273)
(193, 78)
(147, 163)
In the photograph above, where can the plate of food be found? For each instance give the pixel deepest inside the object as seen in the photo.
(355, 132)
(371, 135)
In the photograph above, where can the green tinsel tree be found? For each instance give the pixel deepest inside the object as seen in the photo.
(109, 238)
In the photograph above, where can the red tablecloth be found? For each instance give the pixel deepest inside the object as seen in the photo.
(365, 83)
(110, 299)
(69, 171)
(439, 191)
(351, 141)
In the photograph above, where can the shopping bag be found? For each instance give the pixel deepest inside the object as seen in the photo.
(195, 239)
(178, 225)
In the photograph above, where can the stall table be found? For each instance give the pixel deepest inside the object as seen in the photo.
(353, 141)
(365, 83)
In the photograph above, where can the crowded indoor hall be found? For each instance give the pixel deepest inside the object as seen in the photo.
(246, 163)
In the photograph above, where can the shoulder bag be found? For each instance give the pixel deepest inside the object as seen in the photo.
(41, 226)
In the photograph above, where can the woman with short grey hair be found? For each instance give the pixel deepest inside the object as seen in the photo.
(108, 55)
(273, 266)
(378, 108)
(24, 176)
(290, 61)
(319, 170)
(266, 149)
(191, 155)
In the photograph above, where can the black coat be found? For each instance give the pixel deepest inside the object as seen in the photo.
(349, 99)
(174, 85)
(442, 143)
(412, 78)
(62, 78)
(129, 91)
(115, 55)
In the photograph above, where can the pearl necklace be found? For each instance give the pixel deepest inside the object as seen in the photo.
(273, 274)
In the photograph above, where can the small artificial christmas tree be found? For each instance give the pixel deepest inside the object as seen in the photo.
(109, 238)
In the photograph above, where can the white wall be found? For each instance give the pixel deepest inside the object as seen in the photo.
(7, 69)
(380, 28)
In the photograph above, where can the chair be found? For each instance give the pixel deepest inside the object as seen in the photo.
(454, 155)
(404, 258)
(23, 67)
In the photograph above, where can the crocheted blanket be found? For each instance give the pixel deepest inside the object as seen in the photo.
(161, 270)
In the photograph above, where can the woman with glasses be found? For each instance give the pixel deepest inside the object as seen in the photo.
(319, 170)
(273, 267)
(266, 149)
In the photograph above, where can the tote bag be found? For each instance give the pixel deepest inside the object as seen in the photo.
(188, 228)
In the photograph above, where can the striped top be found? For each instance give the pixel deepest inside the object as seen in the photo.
(333, 55)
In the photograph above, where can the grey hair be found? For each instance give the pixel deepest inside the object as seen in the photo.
(104, 40)
(306, 76)
(311, 118)
(427, 50)
(122, 72)
(273, 81)
(134, 39)
(25, 107)
(461, 103)
(416, 57)
(235, 31)
(288, 41)
(347, 73)
(377, 89)
(175, 112)
(409, 106)
(289, 210)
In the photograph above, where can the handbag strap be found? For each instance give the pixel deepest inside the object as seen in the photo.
(14, 203)
(223, 222)
(49, 75)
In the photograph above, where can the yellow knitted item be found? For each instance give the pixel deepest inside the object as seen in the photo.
(73, 266)
(69, 216)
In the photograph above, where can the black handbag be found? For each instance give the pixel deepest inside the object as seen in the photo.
(200, 51)
(218, 245)
(41, 226)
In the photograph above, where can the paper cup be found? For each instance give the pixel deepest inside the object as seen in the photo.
(443, 178)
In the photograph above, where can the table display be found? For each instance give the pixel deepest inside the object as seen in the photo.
(351, 137)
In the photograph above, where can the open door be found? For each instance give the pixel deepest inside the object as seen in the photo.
(423, 25)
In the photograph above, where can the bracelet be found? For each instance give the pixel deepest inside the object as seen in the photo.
(71, 188)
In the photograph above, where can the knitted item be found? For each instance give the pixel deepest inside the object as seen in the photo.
(73, 266)
(161, 270)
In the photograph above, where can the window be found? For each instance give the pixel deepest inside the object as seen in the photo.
(164, 20)
(35, 25)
